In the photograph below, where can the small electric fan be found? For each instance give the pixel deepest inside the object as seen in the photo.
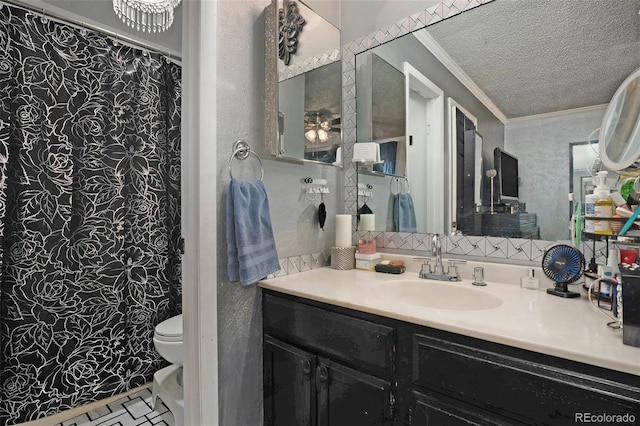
(564, 265)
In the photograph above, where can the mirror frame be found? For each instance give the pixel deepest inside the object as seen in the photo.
(525, 251)
(272, 79)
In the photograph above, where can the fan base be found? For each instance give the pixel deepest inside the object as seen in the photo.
(563, 293)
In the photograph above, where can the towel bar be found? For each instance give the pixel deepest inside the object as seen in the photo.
(242, 150)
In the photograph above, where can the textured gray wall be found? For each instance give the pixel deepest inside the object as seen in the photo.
(542, 148)
(240, 115)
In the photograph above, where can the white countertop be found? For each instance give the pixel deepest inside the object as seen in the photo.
(527, 319)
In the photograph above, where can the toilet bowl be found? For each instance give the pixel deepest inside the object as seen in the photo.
(167, 383)
(168, 339)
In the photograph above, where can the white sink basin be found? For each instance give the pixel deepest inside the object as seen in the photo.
(437, 295)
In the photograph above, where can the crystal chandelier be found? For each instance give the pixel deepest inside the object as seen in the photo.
(151, 16)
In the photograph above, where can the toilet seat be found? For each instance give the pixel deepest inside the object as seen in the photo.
(169, 330)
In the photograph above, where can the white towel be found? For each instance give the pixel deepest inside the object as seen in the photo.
(366, 153)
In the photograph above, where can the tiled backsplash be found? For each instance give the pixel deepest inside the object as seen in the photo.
(529, 252)
(515, 249)
(301, 263)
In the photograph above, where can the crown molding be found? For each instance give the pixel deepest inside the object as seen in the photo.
(556, 114)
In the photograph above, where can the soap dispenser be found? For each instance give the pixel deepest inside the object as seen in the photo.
(597, 205)
(530, 282)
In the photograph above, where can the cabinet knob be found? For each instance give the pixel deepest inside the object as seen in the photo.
(323, 373)
(306, 367)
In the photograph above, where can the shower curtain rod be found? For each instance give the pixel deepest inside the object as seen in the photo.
(83, 25)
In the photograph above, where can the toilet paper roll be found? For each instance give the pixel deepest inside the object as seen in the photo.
(367, 222)
(343, 230)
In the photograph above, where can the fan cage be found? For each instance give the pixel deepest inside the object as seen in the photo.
(563, 264)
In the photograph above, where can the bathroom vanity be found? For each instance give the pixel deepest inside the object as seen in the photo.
(362, 348)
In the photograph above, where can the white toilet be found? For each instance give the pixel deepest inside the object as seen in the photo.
(167, 383)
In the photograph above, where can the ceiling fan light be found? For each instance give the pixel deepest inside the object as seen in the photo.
(323, 135)
(310, 135)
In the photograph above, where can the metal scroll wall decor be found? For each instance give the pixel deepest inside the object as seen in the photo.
(290, 24)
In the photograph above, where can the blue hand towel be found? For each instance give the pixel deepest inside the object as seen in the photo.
(404, 215)
(251, 248)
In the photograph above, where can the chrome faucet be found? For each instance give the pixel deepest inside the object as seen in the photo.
(438, 273)
(436, 251)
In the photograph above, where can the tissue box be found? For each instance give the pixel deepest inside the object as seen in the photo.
(366, 152)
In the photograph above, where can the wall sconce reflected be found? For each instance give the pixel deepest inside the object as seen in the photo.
(316, 127)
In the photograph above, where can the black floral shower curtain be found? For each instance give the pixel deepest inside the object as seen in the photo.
(89, 214)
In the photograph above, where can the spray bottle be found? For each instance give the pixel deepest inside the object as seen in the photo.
(598, 205)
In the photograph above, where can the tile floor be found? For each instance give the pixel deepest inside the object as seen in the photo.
(132, 410)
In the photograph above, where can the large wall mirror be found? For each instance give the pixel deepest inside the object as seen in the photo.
(518, 82)
(303, 81)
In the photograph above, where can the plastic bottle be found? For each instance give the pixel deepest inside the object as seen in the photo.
(598, 204)
(611, 275)
(613, 261)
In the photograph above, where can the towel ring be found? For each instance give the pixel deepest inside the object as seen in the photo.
(242, 150)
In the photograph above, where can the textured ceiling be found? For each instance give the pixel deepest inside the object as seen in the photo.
(539, 56)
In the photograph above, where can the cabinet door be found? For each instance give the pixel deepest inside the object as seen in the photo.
(361, 344)
(289, 394)
(431, 410)
(347, 397)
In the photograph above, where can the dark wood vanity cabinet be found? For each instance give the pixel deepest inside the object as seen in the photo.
(325, 368)
(513, 386)
(325, 365)
(437, 410)
(288, 384)
(304, 389)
